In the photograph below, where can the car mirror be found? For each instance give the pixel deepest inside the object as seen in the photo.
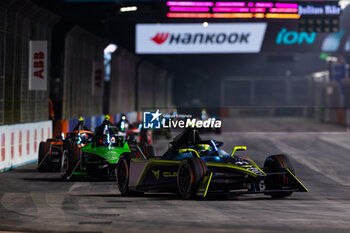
(238, 148)
(191, 150)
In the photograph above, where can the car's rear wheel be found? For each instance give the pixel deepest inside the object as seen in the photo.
(43, 157)
(190, 174)
(277, 163)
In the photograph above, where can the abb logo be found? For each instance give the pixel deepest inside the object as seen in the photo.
(39, 64)
(160, 38)
(98, 78)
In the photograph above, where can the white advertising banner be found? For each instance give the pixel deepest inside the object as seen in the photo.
(97, 78)
(19, 144)
(199, 38)
(38, 65)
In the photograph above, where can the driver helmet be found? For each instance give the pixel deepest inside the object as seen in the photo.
(84, 136)
(201, 148)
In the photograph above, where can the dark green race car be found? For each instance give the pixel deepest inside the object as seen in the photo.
(97, 156)
(194, 168)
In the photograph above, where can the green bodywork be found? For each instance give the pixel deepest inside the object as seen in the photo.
(111, 154)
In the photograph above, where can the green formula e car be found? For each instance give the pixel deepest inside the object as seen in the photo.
(98, 156)
(196, 168)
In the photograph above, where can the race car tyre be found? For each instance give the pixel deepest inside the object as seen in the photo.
(190, 174)
(73, 156)
(275, 163)
(64, 164)
(122, 173)
(44, 148)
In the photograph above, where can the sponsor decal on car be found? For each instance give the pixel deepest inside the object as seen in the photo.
(194, 38)
(156, 174)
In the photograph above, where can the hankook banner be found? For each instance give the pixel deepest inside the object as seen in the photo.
(196, 38)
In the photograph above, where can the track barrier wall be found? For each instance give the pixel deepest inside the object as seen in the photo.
(20, 22)
(19, 143)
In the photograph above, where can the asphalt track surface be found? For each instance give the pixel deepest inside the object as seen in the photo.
(42, 202)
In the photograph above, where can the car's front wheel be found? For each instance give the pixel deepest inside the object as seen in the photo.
(64, 173)
(44, 156)
(277, 163)
(71, 160)
(122, 173)
(190, 174)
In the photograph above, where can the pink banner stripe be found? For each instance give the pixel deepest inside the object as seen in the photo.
(241, 4)
(264, 4)
(284, 10)
(230, 9)
(191, 9)
(287, 5)
(187, 3)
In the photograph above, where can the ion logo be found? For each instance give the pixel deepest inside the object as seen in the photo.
(160, 38)
(293, 37)
(151, 120)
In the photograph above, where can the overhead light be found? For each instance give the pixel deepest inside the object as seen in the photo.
(205, 24)
(128, 8)
(111, 48)
(344, 3)
(193, 9)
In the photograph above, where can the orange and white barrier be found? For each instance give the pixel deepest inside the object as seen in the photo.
(19, 143)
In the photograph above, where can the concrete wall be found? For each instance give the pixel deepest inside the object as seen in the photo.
(20, 22)
(82, 49)
(137, 84)
(122, 83)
